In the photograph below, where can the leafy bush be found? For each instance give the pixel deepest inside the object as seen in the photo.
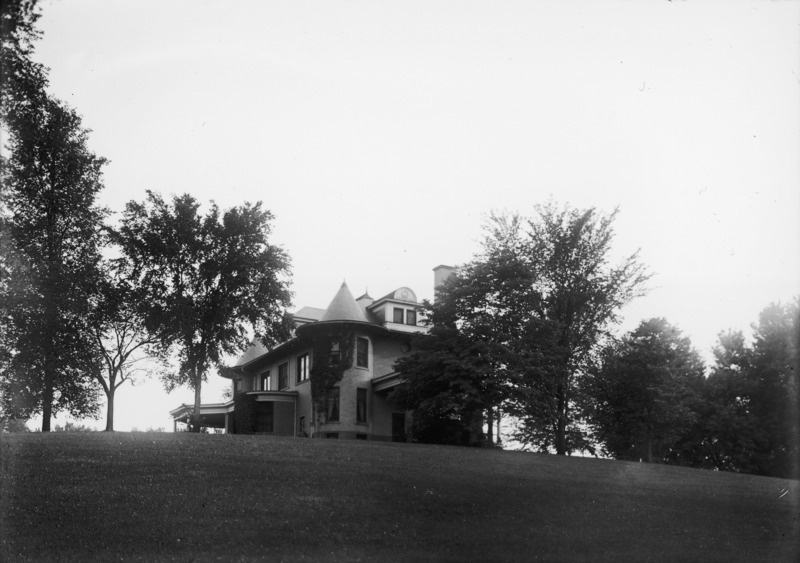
(72, 427)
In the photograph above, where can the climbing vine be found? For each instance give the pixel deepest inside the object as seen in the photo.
(332, 353)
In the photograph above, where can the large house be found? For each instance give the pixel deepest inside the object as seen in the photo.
(272, 388)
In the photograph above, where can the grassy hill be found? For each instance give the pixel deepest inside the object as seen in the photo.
(164, 497)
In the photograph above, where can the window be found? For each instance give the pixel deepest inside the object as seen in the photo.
(361, 405)
(334, 358)
(265, 382)
(264, 417)
(301, 426)
(361, 436)
(283, 376)
(362, 352)
(237, 385)
(332, 409)
(302, 368)
(399, 315)
(411, 317)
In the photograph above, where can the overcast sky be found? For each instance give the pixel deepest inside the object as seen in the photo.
(381, 133)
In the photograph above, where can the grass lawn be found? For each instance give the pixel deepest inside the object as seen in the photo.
(181, 497)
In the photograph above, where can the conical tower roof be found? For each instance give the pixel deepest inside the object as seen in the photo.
(344, 308)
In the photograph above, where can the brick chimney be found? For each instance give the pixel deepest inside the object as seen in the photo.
(440, 275)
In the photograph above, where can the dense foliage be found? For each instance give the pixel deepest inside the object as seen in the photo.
(332, 352)
(50, 241)
(519, 324)
(210, 282)
(645, 396)
(752, 398)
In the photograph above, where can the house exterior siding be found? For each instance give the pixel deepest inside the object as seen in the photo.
(292, 411)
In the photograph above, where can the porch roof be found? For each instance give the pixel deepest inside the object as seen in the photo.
(213, 414)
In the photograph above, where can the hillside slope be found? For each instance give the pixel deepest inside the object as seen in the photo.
(146, 497)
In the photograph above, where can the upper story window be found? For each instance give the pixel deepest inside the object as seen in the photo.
(283, 376)
(302, 368)
(335, 355)
(265, 382)
(404, 316)
(237, 385)
(362, 352)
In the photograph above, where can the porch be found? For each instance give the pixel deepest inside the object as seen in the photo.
(259, 412)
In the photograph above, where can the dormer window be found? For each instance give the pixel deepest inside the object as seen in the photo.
(404, 316)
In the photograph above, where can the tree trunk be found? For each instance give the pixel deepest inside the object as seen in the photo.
(490, 426)
(110, 410)
(198, 382)
(47, 398)
(561, 427)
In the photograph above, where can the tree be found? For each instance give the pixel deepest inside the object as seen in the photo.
(646, 394)
(211, 282)
(775, 378)
(728, 436)
(568, 251)
(50, 181)
(459, 373)
(23, 80)
(122, 342)
(522, 320)
(445, 384)
(753, 397)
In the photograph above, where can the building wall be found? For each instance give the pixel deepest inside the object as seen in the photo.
(284, 419)
(383, 352)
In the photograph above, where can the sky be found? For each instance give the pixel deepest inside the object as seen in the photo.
(381, 134)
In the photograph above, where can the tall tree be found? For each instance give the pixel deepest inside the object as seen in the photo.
(536, 301)
(460, 373)
(775, 378)
(568, 250)
(753, 397)
(727, 435)
(51, 180)
(646, 394)
(211, 281)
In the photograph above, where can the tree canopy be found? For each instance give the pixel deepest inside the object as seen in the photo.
(212, 282)
(751, 421)
(646, 393)
(50, 236)
(532, 306)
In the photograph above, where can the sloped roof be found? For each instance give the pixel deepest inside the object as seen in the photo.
(254, 350)
(394, 295)
(313, 313)
(343, 307)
